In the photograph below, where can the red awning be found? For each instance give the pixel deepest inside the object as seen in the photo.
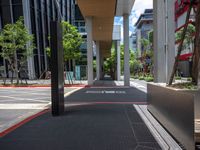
(185, 56)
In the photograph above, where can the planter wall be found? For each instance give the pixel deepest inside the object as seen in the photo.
(175, 110)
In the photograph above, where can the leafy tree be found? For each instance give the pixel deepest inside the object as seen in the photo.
(145, 44)
(17, 45)
(110, 63)
(134, 63)
(147, 55)
(150, 36)
(188, 37)
(181, 45)
(72, 41)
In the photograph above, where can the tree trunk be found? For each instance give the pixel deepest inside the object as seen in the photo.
(16, 68)
(197, 43)
(69, 65)
(180, 46)
(5, 72)
(195, 65)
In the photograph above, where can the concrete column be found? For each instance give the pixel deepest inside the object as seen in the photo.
(98, 65)
(170, 35)
(126, 51)
(27, 22)
(164, 39)
(101, 66)
(89, 50)
(118, 60)
(159, 40)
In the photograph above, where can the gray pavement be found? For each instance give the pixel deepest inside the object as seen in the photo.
(43, 82)
(16, 104)
(104, 119)
(107, 94)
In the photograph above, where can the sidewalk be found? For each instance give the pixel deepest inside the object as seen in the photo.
(95, 121)
(20, 104)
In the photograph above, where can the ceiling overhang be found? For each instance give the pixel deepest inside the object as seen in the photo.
(124, 7)
(103, 13)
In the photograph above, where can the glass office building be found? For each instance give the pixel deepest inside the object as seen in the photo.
(37, 16)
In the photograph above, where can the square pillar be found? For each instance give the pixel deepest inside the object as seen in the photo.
(164, 39)
(101, 66)
(57, 69)
(98, 60)
(117, 48)
(159, 41)
(126, 51)
(89, 50)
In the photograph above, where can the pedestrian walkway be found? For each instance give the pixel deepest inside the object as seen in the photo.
(18, 104)
(95, 118)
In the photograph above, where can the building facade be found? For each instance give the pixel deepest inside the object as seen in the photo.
(37, 16)
(81, 26)
(143, 25)
(133, 41)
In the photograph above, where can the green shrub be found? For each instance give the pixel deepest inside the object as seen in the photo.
(189, 79)
(177, 78)
(135, 77)
(149, 79)
(141, 78)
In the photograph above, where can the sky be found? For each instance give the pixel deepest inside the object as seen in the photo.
(138, 8)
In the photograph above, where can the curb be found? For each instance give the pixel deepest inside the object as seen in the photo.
(24, 121)
(163, 138)
(45, 86)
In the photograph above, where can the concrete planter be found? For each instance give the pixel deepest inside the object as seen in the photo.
(177, 111)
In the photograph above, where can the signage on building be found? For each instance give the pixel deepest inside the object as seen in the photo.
(181, 6)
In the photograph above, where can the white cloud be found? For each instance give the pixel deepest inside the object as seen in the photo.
(138, 9)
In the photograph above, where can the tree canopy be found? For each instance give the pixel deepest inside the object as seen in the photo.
(189, 37)
(72, 41)
(16, 44)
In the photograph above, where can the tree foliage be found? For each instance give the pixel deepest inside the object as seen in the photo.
(150, 36)
(72, 41)
(16, 44)
(110, 65)
(181, 45)
(189, 37)
(145, 44)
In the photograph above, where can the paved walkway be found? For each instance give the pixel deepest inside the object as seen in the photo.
(17, 104)
(96, 118)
